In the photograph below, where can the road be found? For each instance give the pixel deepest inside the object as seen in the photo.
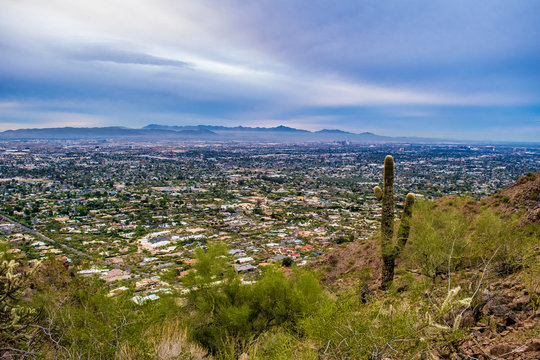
(43, 237)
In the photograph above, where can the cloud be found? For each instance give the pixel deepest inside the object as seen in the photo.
(113, 55)
(270, 60)
(40, 114)
(41, 119)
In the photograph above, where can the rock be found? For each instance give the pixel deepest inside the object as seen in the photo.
(500, 310)
(468, 319)
(529, 324)
(433, 356)
(520, 303)
(510, 319)
(533, 346)
(500, 349)
(497, 306)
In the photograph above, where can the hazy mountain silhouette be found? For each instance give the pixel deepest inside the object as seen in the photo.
(278, 134)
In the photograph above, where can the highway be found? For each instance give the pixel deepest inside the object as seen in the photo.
(43, 237)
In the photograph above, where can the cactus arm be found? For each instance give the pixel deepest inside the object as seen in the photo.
(377, 191)
(405, 225)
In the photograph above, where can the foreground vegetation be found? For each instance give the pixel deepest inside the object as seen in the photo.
(457, 252)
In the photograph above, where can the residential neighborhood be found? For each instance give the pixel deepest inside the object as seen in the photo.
(135, 215)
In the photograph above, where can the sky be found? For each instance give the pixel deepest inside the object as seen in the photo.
(456, 69)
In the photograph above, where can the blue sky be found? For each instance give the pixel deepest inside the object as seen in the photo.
(449, 69)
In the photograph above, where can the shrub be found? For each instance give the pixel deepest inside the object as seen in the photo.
(170, 341)
(280, 345)
(81, 321)
(287, 262)
(90, 324)
(444, 238)
(348, 329)
(437, 235)
(227, 316)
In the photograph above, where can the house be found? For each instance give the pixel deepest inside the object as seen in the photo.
(146, 283)
(246, 268)
(244, 259)
(139, 300)
(92, 271)
(115, 275)
(6, 228)
(278, 257)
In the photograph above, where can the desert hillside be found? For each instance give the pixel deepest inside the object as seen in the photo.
(501, 318)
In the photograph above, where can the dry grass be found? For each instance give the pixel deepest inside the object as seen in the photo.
(172, 343)
(166, 342)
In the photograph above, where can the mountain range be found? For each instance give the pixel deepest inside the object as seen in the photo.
(201, 132)
(278, 134)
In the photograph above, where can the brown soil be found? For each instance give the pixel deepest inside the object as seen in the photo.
(523, 196)
(356, 262)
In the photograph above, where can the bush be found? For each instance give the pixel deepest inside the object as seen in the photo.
(81, 321)
(280, 345)
(438, 233)
(287, 262)
(442, 235)
(342, 239)
(227, 316)
(349, 329)
(89, 324)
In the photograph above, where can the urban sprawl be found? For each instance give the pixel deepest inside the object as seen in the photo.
(134, 214)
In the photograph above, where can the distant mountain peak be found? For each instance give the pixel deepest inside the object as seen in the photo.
(287, 128)
(332, 131)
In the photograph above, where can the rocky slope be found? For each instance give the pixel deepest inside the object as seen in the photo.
(522, 197)
(500, 325)
(503, 322)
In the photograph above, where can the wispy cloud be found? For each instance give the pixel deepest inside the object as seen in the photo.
(107, 54)
(32, 120)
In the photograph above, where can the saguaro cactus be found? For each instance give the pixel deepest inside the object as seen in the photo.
(391, 248)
